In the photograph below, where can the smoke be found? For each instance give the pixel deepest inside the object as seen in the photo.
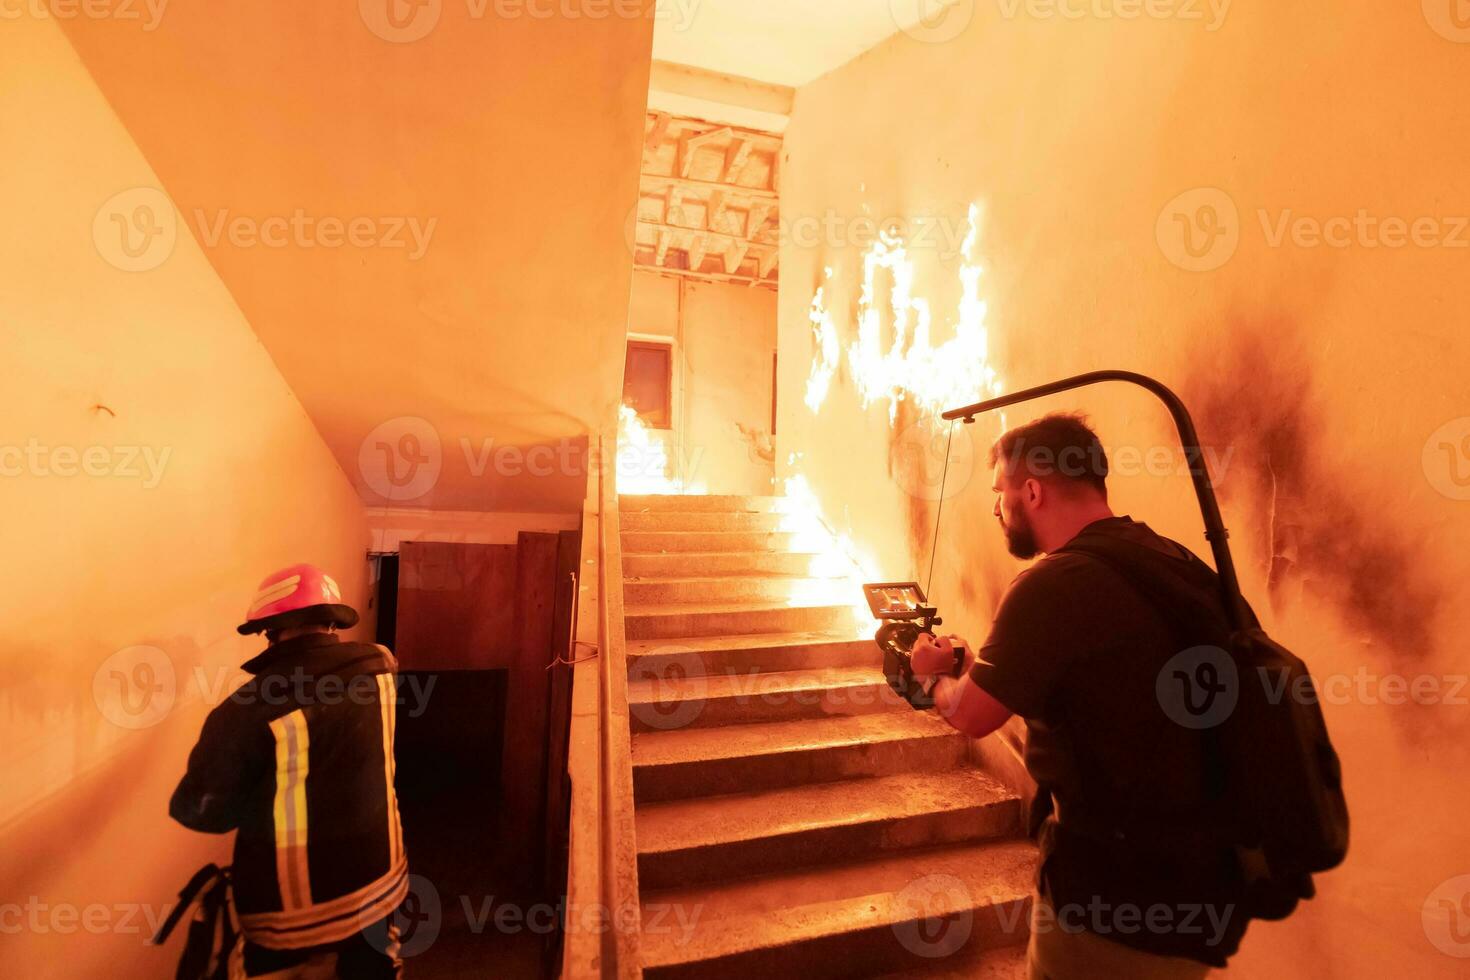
(1308, 511)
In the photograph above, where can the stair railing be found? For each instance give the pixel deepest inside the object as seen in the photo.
(604, 914)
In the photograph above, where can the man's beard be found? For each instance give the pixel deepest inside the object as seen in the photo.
(1020, 538)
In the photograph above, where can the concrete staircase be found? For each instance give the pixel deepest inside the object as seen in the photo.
(793, 816)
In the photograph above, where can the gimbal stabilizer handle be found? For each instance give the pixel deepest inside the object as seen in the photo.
(1215, 531)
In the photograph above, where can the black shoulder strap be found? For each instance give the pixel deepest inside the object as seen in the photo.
(212, 934)
(204, 876)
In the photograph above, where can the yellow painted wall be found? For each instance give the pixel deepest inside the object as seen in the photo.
(1327, 378)
(487, 154)
(157, 466)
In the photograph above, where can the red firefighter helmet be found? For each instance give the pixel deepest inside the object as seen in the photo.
(296, 596)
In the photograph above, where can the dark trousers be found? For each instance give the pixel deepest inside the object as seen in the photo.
(369, 955)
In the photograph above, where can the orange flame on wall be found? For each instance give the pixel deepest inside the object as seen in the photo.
(643, 461)
(912, 368)
(643, 464)
(824, 334)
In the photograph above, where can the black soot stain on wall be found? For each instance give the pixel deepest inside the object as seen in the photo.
(1253, 398)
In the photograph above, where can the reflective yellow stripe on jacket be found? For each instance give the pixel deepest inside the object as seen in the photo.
(388, 704)
(292, 871)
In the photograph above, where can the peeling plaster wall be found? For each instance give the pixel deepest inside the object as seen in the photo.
(1328, 381)
(724, 338)
(107, 562)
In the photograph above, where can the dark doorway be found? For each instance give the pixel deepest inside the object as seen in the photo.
(387, 601)
(451, 730)
(449, 794)
(458, 616)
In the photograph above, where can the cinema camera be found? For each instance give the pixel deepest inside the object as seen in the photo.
(902, 608)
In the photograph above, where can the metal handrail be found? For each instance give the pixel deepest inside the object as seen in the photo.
(602, 873)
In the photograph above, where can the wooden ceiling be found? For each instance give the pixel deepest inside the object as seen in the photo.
(709, 202)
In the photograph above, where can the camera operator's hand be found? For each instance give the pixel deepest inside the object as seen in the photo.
(932, 655)
(965, 705)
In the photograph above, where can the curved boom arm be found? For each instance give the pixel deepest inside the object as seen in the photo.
(1215, 531)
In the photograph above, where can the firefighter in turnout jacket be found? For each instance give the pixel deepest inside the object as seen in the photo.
(299, 763)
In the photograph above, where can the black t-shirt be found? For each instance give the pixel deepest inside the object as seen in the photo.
(1076, 650)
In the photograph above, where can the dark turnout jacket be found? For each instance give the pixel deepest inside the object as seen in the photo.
(299, 763)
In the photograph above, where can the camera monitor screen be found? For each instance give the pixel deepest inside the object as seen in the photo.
(894, 600)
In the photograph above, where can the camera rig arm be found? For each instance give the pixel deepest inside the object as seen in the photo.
(1215, 531)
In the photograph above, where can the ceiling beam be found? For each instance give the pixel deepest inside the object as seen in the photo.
(733, 214)
(662, 181)
(724, 277)
(696, 92)
(665, 228)
(736, 156)
(657, 131)
(698, 247)
(759, 213)
(690, 145)
(715, 213)
(735, 255)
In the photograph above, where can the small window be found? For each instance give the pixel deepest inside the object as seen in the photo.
(648, 382)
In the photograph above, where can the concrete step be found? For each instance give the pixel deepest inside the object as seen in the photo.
(673, 542)
(1005, 963)
(668, 520)
(671, 697)
(888, 913)
(685, 763)
(718, 838)
(750, 653)
(738, 588)
(690, 503)
(677, 564)
(644, 622)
